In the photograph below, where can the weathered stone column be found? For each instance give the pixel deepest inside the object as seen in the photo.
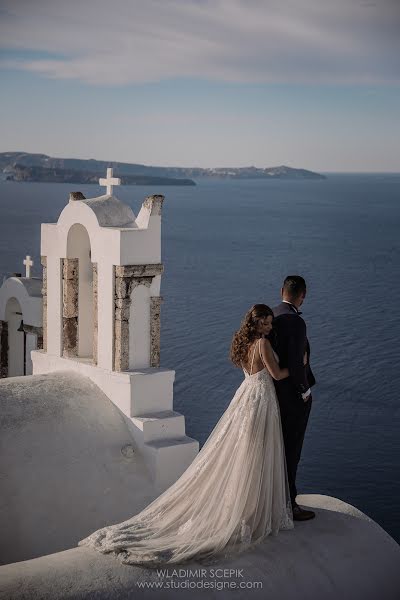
(3, 349)
(95, 313)
(122, 303)
(154, 204)
(70, 288)
(126, 279)
(155, 330)
(43, 260)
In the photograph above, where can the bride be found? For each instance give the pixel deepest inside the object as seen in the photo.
(235, 492)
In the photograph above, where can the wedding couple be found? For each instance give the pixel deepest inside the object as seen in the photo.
(241, 486)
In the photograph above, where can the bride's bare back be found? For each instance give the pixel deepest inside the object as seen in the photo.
(263, 358)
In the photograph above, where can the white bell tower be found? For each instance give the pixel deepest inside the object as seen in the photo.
(101, 317)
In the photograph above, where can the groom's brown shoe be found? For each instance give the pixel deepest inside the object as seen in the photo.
(300, 514)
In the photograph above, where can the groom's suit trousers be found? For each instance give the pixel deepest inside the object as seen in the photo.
(294, 419)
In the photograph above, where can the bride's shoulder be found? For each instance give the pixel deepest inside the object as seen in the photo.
(265, 343)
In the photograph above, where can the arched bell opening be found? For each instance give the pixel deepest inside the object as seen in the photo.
(16, 338)
(78, 305)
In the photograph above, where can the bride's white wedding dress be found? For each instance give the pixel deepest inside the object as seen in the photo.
(233, 494)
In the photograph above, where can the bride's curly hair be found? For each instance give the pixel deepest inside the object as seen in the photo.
(248, 332)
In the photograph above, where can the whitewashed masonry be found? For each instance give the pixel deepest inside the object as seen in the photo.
(101, 317)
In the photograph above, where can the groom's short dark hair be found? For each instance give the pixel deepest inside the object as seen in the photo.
(294, 285)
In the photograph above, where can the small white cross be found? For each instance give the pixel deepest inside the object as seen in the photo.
(110, 181)
(28, 264)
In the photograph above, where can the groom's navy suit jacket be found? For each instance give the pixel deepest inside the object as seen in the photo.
(289, 340)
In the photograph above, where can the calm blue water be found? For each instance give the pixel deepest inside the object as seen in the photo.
(228, 245)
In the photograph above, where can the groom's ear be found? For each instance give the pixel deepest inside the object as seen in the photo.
(281, 291)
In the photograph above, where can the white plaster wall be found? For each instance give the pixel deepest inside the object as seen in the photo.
(85, 303)
(111, 245)
(31, 344)
(63, 472)
(105, 307)
(139, 328)
(139, 324)
(141, 246)
(155, 286)
(22, 295)
(31, 305)
(134, 392)
(78, 246)
(54, 305)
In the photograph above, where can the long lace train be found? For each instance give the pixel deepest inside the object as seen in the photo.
(233, 494)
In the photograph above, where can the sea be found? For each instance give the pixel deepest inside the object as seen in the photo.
(229, 244)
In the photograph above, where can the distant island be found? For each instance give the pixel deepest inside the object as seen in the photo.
(23, 166)
(57, 175)
(281, 172)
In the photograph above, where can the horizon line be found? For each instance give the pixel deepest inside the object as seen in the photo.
(198, 167)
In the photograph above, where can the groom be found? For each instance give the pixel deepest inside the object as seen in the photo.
(289, 340)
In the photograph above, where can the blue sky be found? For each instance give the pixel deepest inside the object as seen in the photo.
(306, 83)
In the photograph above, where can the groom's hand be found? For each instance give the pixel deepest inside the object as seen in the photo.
(308, 398)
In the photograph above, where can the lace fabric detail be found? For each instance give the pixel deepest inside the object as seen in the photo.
(245, 533)
(287, 517)
(186, 526)
(222, 504)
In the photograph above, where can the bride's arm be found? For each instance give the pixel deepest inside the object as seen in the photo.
(268, 358)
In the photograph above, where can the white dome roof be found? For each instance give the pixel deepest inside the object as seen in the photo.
(110, 211)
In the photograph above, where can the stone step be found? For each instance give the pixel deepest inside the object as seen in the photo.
(165, 424)
(169, 458)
